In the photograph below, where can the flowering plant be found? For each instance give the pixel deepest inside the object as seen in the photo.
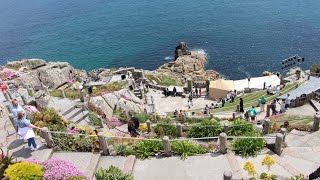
(268, 161)
(61, 169)
(249, 167)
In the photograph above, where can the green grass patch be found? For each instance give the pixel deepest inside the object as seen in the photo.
(162, 80)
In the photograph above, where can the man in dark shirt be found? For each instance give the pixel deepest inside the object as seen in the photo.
(135, 121)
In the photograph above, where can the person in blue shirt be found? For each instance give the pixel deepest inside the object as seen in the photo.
(16, 108)
(25, 129)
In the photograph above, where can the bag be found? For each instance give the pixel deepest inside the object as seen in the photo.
(26, 133)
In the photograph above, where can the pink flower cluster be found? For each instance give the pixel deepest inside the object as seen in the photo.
(33, 161)
(73, 130)
(61, 169)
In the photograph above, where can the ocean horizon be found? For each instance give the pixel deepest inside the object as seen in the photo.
(240, 38)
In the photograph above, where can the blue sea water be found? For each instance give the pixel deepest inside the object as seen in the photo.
(241, 38)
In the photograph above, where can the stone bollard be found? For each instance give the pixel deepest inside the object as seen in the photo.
(225, 128)
(316, 121)
(179, 129)
(211, 115)
(264, 85)
(183, 120)
(283, 131)
(6, 96)
(63, 95)
(233, 115)
(103, 144)
(227, 175)
(278, 144)
(268, 110)
(24, 100)
(13, 122)
(309, 77)
(154, 118)
(47, 137)
(238, 108)
(149, 126)
(166, 146)
(223, 143)
(266, 127)
(9, 94)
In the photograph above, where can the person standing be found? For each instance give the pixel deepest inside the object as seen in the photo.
(241, 105)
(174, 91)
(287, 101)
(232, 98)
(274, 107)
(263, 102)
(16, 108)
(190, 99)
(135, 121)
(196, 90)
(168, 92)
(223, 101)
(25, 129)
(200, 91)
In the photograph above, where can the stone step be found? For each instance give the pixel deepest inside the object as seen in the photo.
(87, 162)
(69, 110)
(73, 113)
(315, 105)
(80, 116)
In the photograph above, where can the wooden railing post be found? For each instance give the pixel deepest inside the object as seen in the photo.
(47, 137)
(103, 144)
(149, 126)
(227, 175)
(225, 128)
(283, 131)
(166, 146)
(179, 129)
(268, 110)
(154, 117)
(62, 93)
(183, 120)
(233, 115)
(266, 127)
(278, 144)
(316, 121)
(223, 143)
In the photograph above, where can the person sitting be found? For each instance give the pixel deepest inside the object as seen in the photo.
(206, 109)
(276, 90)
(135, 121)
(269, 90)
(252, 113)
(212, 106)
(180, 113)
(175, 113)
(132, 130)
(283, 106)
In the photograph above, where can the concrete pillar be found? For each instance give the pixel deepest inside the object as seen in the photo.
(266, 127)
(238, 108)
(8, 106)
(24, 100)
(179, 129)
(278, 144)
(103, 144)
(225, 128)
(223, 143)
(268, 110)
(233, 115)
(154, 118)
(13, 122)
(211, 115)
(183, 120)
(47, 137)
(315, 126)
(63, 95)
(283, 131)
(149, 126)
(264, 85)
(166, 146)
(227, 175)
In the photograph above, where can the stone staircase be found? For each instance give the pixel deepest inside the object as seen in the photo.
(315, 102)
(76, 113)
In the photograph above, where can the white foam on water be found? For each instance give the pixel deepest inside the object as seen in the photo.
(168, 58)
(200, 51)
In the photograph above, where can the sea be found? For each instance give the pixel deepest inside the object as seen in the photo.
(242, 38)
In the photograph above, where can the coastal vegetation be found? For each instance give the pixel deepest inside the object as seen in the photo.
(112, 173)
(162, 80)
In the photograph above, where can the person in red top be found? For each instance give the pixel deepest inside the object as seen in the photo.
(199, 92)
(3, 88)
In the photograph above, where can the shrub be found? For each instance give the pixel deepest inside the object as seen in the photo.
(95, 121)
(186, 148)
(123, 149)
(143, 117)
(147, 149)
(168, 130)
(112, 173)
(5, 161)
(207, 128)
(300, 127)
(59, 169)
(66, 142)
(49, 118)
(240, 127)
(24, 170)
(248, 146)
(263, 176)
(143, 127)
